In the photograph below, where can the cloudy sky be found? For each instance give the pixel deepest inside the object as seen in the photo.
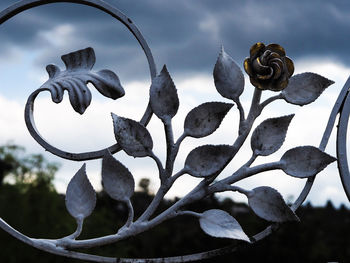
(186, 36)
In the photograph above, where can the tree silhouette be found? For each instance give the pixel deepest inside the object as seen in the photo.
(33, 206)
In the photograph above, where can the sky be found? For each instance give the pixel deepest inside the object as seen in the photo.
(187, 37)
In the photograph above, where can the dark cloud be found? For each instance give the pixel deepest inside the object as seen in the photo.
(185, 35)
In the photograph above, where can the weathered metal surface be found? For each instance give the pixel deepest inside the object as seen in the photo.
(117, 180)
(132, 136)
(305, 161)
(305, 88)
(228, 77)
(268, 68)
(163, 96)
(324, 141)
(108, 9)
(218, 223)
(80, 195)
(269, 136)
(342, 134)
(268, 204)
(207, 160)
(75, 78)
(205, 119)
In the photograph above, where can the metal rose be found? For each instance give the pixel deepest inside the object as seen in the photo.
(268, 67)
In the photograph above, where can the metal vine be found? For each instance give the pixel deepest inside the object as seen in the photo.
(268, 68)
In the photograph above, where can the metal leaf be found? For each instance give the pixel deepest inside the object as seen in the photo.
(163, 96)
(117, 181)
(132, 136)
(74, 79)
(207, 160)
(206, 118)
(218, 223)
(228, 77)
(305, 161)
(268, 204)
(80, 195)
(305, 88)
(269, 136)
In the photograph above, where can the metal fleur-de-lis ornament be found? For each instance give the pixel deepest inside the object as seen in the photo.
(268, 68)
(74, 79)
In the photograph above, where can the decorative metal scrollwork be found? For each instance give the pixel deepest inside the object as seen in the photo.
(25, 5)
(268, 68)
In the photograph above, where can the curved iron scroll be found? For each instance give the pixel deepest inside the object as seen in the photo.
(344, 110)
(342, 107)
(25, 5)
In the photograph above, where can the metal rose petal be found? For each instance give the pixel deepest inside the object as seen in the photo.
(256, 48)
(247, 67)
(260, 68)
(254, 81)
(276, 48)
(277, 70)
(266, 76)
(290, 65)
(284, 84)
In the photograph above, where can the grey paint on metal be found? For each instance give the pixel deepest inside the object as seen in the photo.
(341, 145)
(268, 203)
(28, 4)
(207, 163)
(218, 223)
(324, 141)
(204, 119)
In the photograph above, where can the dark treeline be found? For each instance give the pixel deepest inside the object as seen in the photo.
(29, 202)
